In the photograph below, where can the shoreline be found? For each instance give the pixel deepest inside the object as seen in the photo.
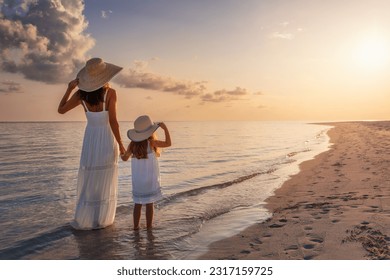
(336, 208)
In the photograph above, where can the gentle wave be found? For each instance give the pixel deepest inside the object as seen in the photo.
(199, 190)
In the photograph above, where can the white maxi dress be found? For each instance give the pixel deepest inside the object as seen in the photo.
(97, 182)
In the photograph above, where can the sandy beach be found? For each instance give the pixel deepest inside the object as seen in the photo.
(336, 208)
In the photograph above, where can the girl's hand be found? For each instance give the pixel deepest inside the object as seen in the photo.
(73, 84)
(162, 125)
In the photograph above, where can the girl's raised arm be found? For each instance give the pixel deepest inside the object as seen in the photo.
(167, 142)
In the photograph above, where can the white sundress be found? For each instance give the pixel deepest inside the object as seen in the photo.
(145, 174)
(97, 182)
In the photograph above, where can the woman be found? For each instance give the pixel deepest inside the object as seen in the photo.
(98, 173)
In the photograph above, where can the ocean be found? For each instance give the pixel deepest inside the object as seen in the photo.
(215, 178)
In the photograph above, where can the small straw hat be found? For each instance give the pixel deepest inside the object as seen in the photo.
(96, 74)
(143, 129)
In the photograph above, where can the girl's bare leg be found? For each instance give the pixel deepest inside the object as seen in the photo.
(137, 215)
(149, 215)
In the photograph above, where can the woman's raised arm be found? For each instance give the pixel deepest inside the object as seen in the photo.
(67, 104)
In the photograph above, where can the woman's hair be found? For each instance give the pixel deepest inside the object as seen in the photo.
(94, 97)
(140, 149)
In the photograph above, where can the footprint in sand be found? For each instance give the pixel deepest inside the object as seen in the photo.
(316, 240)
(324, 211)
(245, 252)
(276, 226)
(291, 248)
(308, 246)
(282, 223)
(258, 241)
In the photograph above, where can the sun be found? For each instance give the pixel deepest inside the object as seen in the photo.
(373, 53)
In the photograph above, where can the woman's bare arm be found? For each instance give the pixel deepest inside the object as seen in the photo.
(113, 119)
(127, 154)
(67, 104)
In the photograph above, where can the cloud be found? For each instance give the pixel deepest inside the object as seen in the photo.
(10, 87)
(258, 93)
(43, 40)
(282, 36)
(288, 31)
(225, 95)
(140, 77)
(105, 14)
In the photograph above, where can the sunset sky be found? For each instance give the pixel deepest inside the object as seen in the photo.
(309, 60)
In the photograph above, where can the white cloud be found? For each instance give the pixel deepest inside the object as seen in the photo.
(282, 36)
(105, 14)
(43, 40)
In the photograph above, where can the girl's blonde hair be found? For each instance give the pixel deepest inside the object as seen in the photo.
(140, 149)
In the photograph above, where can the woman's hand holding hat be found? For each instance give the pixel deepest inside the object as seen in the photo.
(73, 84)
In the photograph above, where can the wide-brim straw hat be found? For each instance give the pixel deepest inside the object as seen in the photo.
(96, 74)
(143, 129)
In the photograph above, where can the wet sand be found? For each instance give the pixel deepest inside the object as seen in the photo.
(336, 208)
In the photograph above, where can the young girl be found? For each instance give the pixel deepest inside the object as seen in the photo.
(144, 150)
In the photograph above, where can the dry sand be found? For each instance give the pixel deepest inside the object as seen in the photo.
(336, 208)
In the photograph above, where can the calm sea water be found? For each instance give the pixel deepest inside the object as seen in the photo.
(215, 179)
